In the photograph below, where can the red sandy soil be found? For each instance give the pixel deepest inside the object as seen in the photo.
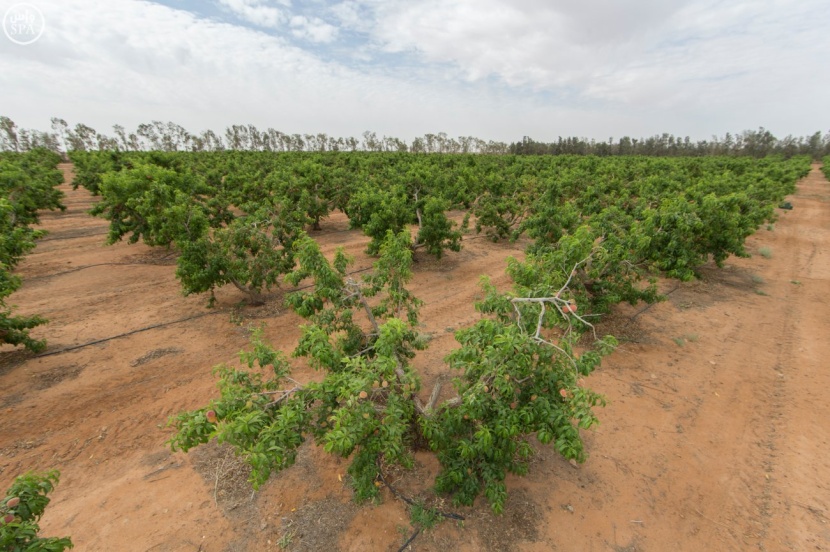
(715, 436)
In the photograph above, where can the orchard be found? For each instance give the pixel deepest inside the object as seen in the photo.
(599, 231)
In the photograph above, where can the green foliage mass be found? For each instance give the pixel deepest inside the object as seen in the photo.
(252, 252)
(512, 384)
(27, 185)
(638, 203)
(153, 204)
(25, 502)
(600, 231)
(362, 408)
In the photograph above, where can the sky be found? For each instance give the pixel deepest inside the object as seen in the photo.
(494, 69)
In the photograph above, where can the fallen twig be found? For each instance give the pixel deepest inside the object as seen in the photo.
(698, 512)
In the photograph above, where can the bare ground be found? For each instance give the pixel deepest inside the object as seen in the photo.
(715, 436)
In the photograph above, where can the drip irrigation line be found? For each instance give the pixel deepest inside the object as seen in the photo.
(84, 267)
(56, 238)
(448, 515)
(144, 329)
(313, 233)
(651, 305)
(410, 539)
(480, 236)
(161, 324)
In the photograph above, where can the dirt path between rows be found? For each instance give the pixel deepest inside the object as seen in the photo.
(716, 435)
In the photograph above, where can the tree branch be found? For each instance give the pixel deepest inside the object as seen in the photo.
(433, 398)
(285, 393)
(357, 292)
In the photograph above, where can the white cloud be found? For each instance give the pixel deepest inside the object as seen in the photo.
(646, 55)
(524, 43)
(139, 61)
(256, 12)
(354, 15)
(313, 29)
(493, 68)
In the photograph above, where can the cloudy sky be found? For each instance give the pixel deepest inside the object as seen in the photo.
(496, 69)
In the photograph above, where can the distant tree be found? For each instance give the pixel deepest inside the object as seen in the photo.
(816, 146)
(149, 133)
(8, 135)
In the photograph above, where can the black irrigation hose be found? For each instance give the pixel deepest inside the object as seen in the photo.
(651, 305)
(154, 326)
(448, 515)
(410, 539)
(84, 267)
(56, 238)
(144, 329)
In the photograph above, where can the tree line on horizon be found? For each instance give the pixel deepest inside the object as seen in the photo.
(169, 136)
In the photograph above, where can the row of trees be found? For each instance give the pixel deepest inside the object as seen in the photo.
(753, 143)
(27, 184)
(169, 136)
(239, 228)
(601, 230)
(234, 215)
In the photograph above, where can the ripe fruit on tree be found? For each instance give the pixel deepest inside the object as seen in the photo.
(211, 416)
(13, 502)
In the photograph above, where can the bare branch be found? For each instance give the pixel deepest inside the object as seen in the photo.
(285, 394)
(433, 398)
(358, 292)
(419, 406)
(562, 306)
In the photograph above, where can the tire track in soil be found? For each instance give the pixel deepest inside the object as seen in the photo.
(797, 495)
